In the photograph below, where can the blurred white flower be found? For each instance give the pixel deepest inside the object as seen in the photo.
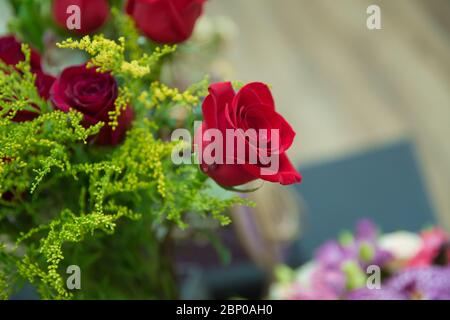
(402, 244)
(210, 28)
(204, 29)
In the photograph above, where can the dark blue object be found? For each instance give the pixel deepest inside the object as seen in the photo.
(384, 185)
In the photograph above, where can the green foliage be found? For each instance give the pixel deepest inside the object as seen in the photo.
(18, 88)
(7, 272)
(111, 211)
(32, 18)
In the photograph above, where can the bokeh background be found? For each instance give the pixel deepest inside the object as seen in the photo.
(371, 109)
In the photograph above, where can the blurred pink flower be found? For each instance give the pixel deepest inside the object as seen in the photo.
(432, 242)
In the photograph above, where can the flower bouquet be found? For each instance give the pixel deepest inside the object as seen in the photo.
(100, 160)
(367, 265)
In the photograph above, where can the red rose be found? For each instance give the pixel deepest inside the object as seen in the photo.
(251, 110)
(43, 83)
(11, 54)
(93, 14)
(165, 21)
(93, 94)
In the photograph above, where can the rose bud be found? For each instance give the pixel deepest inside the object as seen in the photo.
(93, 94)
(243, 138)
(165, 21)
(11, 54)
(93, 15)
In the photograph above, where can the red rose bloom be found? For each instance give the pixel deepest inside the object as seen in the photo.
(11, 54)
(165, 21)
(43, 83)
(94, 14)
(251, 108)
(93, 94)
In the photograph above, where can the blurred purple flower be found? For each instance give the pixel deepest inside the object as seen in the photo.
(376, 294)
(381, 257)
(325, 284)
(329, 282)
(430, 283)
(333, 253)
(366, 230)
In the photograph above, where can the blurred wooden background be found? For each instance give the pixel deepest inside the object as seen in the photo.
(346, 88)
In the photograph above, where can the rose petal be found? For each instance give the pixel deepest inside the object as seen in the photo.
(213, 108)
(165, 21)
(285, 175)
